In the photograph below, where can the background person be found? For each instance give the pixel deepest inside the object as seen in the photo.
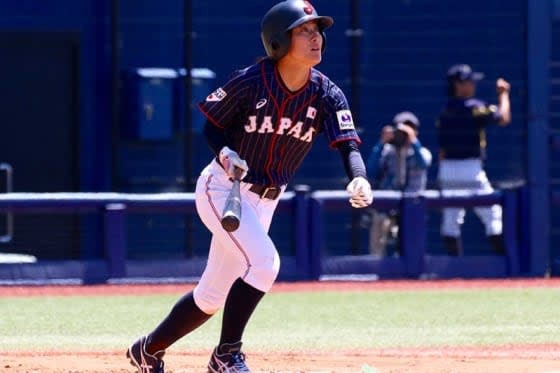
(462, 143)
(397, 162)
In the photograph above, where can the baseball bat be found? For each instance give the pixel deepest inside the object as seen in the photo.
(231, 216)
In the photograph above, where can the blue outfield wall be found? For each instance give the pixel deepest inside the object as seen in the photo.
(406, 47)
(554, 131)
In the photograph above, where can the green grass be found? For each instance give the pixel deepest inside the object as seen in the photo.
(296, 320)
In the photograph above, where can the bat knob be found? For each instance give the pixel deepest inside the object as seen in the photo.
(230, 223)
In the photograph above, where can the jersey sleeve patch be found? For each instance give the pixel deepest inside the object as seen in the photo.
(218, 95)
(481, 111)
(345, 121)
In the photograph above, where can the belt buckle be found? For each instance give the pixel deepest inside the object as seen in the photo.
(268, 189)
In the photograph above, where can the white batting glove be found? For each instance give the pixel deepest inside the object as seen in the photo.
(360, 192)
(230, 160)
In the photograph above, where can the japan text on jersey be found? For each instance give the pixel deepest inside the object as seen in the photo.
(273, 128)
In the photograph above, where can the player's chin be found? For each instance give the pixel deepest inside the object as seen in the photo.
(314, 57)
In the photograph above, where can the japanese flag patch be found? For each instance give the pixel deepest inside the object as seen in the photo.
(218, 95)
(345, 121)
(311, 112)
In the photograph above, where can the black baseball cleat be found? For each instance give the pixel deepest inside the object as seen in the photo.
(228, 358)
(142, 360)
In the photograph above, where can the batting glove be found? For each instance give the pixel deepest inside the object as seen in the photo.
(231, 160)
(360, 192)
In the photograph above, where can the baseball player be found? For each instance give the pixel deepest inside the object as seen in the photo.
(263, 121)
(462, 144)
(397, 162)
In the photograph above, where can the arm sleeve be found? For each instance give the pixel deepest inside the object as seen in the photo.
(215, 137)
(422, 156)
(338, 123)
(352, 159)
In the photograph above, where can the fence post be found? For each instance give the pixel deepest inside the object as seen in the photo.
(316, 238)
(115, 239)
(525, 231)
(412, 232)
(301, 231)
(510, 222)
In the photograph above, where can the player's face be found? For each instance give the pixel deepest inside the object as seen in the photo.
(306, 44)
(465, 88)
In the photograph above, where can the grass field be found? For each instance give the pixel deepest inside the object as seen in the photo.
(307, 320)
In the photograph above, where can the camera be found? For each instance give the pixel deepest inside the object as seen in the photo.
(400, 137)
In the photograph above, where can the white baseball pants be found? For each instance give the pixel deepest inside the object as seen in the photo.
(467, 174)
(247, 253)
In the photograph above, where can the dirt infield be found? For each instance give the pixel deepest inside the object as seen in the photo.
(506, 359)
(394, 285)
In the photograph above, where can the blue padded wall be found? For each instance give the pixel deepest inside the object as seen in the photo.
(554, 122)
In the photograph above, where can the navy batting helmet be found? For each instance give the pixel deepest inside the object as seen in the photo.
(282, 18)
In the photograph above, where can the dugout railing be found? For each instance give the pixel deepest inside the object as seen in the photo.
(307, 209)
(414, 261)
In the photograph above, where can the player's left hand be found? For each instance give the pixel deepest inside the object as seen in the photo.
(502, 86)
(360, 192)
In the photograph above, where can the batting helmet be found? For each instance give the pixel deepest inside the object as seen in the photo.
(282, 18)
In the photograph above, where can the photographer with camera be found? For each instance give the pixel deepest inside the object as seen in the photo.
(397, 162)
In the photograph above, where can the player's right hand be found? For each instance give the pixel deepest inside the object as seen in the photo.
(231, 160)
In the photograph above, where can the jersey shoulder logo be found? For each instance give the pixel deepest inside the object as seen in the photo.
(345, 121)
(261, 103)
(218, 95)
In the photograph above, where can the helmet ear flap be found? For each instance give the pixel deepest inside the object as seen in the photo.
(275, 44)
(324, 41)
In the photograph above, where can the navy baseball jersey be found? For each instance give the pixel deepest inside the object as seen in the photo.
(273, 128)
(462, 127)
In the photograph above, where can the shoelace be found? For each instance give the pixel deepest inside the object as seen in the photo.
(238, 360)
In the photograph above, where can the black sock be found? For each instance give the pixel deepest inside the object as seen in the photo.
(240, 304)
(185, 316)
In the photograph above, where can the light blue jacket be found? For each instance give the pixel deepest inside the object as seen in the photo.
(382, 167)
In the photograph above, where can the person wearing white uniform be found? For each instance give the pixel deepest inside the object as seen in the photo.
(462, 143)
(262, 121)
